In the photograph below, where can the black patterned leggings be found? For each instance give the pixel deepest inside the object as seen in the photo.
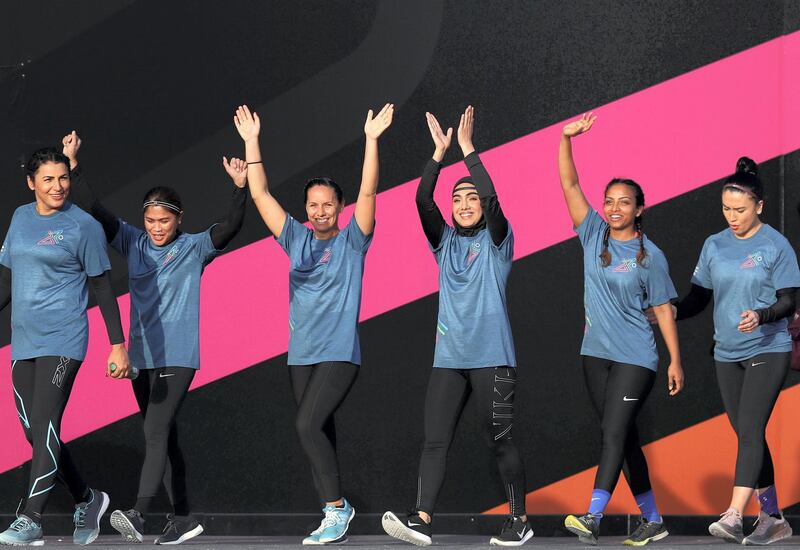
(448, 390)
(41, 390)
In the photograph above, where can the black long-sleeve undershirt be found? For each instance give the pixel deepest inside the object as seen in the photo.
(431, 217)
(229, 226)
(784, 306)
(222, 232)
(496, 222)
(694, 302)
(107, 302)
(699, 297)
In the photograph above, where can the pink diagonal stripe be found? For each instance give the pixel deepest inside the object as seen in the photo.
(673, 137)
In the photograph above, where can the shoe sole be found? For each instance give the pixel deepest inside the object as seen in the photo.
(337, 540)
(125, 528)
(654, 538)
(576, 527)
(96, 531)
(497, 542)
(183, 538)
(785, 535)
(716, 531)
(39, 542)
(395, 529)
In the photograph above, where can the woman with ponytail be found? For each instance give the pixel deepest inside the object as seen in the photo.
(751, 272)
(624, 274)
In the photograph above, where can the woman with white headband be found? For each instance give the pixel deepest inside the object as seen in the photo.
(164, 269)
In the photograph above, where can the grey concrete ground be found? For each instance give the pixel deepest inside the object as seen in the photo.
(441, 542)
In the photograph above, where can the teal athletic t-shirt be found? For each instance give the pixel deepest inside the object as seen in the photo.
(745, 274)
(324, 292)
(473, 330)
(164, 283)
(616, 296)
(50, 258)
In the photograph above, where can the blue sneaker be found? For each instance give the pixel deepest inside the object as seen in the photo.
(87, 517)
(23, 532)
(313, 538)
(336, 522)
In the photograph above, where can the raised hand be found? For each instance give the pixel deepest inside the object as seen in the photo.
(237, 170)
(580, 126)
(440, 139)
(465, 128)
(247, 124)
(374, 127)
(71, 143)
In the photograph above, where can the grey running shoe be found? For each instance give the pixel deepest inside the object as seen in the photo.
(647, 531)
(585, 527)
(179, 529)
(729, 526)
(130, 525)
(87, 517)
(768, 530)
(23, 532)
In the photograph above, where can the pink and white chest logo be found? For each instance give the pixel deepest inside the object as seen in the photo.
(52, 238)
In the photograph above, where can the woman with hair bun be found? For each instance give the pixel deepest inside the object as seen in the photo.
(624, 273)
(751, 272)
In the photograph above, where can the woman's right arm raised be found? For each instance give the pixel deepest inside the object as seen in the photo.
(249, 126)
(576, 201)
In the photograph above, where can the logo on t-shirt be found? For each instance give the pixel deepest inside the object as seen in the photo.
(626, 266)
(171, 255)
(52, 239)
(474, 250)
(326, 256)
(753, 260)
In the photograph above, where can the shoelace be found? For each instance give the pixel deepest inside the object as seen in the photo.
(730, 516)
(760, 526)
(21, 524)
(79, 517)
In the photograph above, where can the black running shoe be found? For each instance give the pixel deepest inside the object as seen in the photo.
(130, 525)
(179, 529)
(647, 531)
(585, 527)
(515, 532)
(411, 529)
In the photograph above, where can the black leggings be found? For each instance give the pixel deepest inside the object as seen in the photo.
(448, 390)
(160, 394)
(749, 390)
(318, 391)
(41, 391)
(618, 391)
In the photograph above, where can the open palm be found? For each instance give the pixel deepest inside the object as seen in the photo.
(374, 127)
(580, 126)
(247, 124)
(440, 139)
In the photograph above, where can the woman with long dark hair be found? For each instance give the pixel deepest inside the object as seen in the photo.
(52, 252)
(164, 270)
(474, 347)
(327, 265)
(750, 270)
(625, 273)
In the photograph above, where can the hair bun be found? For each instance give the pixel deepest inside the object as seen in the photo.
(746, 165)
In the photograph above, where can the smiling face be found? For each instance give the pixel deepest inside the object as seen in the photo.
(161, 224)
(323, 209)
(50, 186)
(741, 211)
(620, 207)
(467, 210)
